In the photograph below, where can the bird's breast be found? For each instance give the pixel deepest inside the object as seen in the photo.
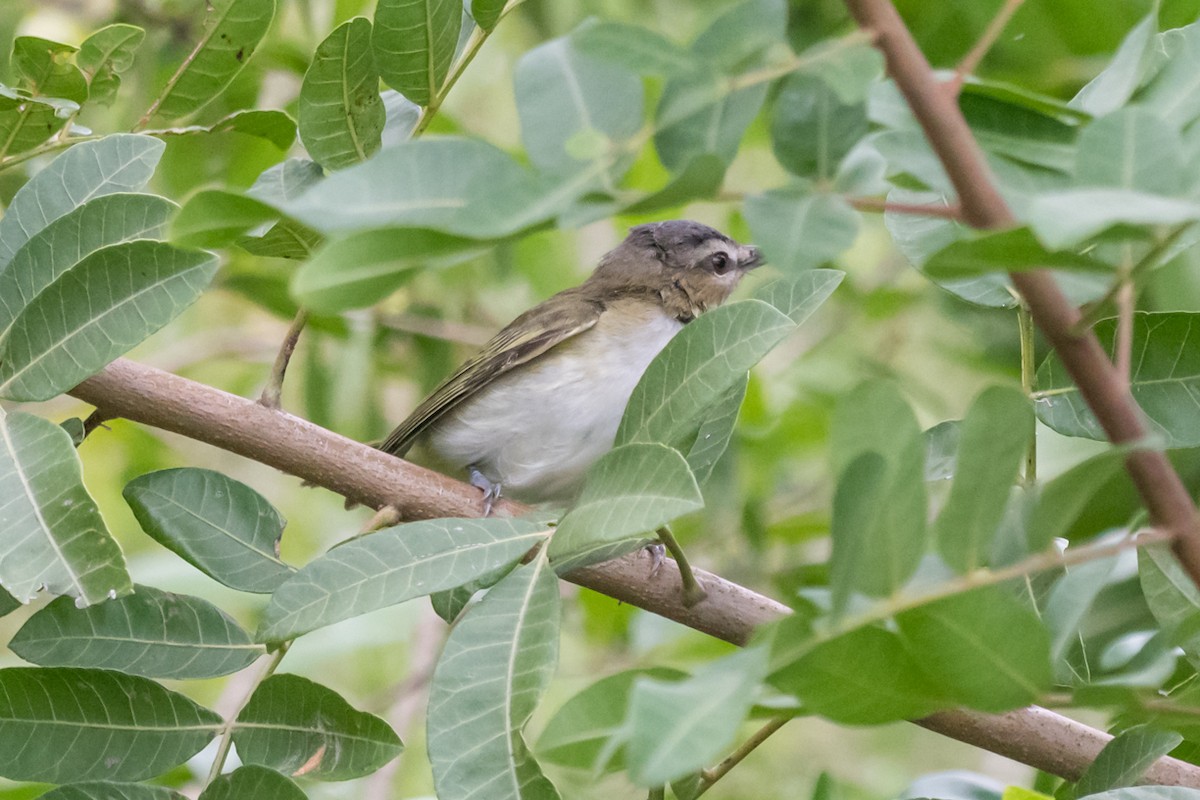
(537, 429)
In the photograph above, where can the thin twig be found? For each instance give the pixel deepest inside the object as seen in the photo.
(1123, 347)
(950, 211)
(226, 740)
(1164, 494)
(1029, 384)
(710, 776)
(51, 146)
(1099, 309)
(990, 34)
(273, 391)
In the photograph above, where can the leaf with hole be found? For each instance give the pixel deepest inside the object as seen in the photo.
(298, 727)
(104, 55)
(220, 526)
(51, 532)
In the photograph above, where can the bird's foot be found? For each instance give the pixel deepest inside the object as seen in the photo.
(658, 554)
(383, 518)
(491, 491)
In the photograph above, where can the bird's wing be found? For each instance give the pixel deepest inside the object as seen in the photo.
(525, 338)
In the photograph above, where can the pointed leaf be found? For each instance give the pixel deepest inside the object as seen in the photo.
(119, 163)
(1164, 380)
(68, 240)
(1062, 500)
(104, 55)
(232, 30)
(252, 783)
(1172, 597)
(26, 123)
(486, 13)
(994, 439)
(992, 651)
(494, 668)
(393, 565)
(110, 302)
(1126, 758)
(269, 125)
(220, 526)
(51, 532)
(298, 727)
(677, 727)
(95, 725)
(1117, 82)
(414, 42)
(698, 366)
(630, 492)
(341, 112)
(215, 218)
(151, 632)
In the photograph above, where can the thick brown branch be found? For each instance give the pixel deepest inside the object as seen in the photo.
(731, 612)
(1099, 382)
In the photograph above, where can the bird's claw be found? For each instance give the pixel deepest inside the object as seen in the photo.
(491, 491)
(658, 554)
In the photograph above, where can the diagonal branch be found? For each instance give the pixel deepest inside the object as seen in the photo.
(1034, 736)
(1099, 383)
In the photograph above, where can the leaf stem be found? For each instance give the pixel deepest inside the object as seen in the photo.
(49, 147)
(226, 742)
(273, 391)
(693, 592)
(990, 34)
(710, 776)
(948, 211)
(1099, 309)
(1029, 384)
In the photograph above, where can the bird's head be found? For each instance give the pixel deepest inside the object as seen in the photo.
(693, 267)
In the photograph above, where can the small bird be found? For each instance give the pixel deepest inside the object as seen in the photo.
(542, 401)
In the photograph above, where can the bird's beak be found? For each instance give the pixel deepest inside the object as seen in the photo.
(750, 257)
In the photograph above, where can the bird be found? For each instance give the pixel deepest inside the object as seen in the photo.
(541, 402)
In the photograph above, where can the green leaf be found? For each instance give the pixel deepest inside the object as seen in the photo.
(119, 163)
(287, 180)
(1172, 597)
(1170, 93)
(699, 114)
(629, 493)
(414, 43)
(27, 123)
(878, 526)
(95, 725)
(151, 632)
(252, 783)
(992, 651)
(1125, 759)
(1012, 250)
(460, 186)
(215, 218)
(578, 734)
(1065, 610)
(222, 527)
(635, 47)
(1117, 82)
(106, 790)
(362, 269)
(863, 677)
(45, 66)
(52, 534)
(68, 240)
(8, 603)
(1062, 500)
(712, 438)
(1069, 217)
(740, 35)
(576, 110)
(232, 30)
(393, 565)
(486, 13)
(1131, 149)
(495, 666)
(677, 727)
(994, 439)
(812, 128)
(110, 302)
(698, 366)
(799, 296)
(104, 55)
(701, 179)
(269, 125)
(285, 239)
(1164, 380)
(800, 229)
(295, 726)
(341, 112)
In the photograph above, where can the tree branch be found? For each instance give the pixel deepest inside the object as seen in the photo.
(365, 475)
(1099, 383)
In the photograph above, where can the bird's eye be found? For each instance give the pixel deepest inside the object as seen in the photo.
(720, 263)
